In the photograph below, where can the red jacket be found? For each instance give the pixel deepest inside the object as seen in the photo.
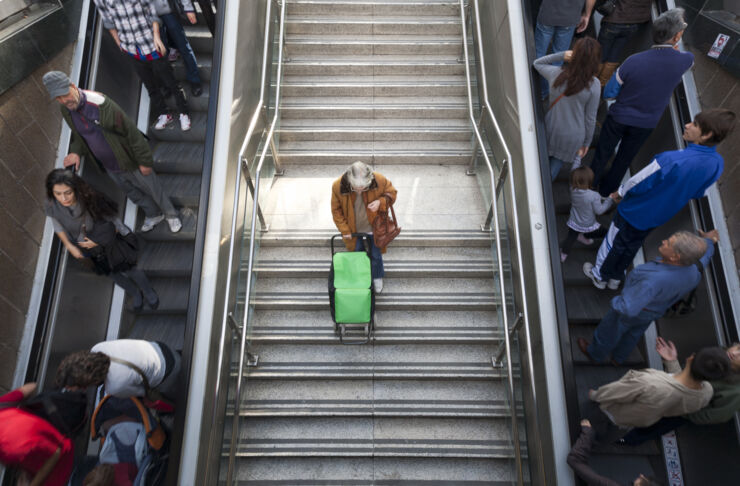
(27, 441)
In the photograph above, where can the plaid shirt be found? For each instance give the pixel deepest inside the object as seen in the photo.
(133, 20)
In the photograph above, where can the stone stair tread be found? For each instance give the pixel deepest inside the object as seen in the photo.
(441, 38)
(372, 59)
(170, 258)
(418, 147)
(375, 124)
(387, 321)
(178, 157)
(373, 80)
(407, 238)
(399, 256)
(447, 288)
(373, 101)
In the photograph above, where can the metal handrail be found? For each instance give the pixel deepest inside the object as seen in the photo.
(499, 260)
(255, 206)
(515, 217)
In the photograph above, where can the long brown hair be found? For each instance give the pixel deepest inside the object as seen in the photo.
(583, 66)
(96, 203)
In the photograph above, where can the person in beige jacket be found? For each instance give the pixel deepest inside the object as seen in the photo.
(642, 397)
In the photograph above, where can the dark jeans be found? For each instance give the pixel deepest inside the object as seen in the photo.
(157, 75)
(618, 334)
(208, 15)
(176, 34)
(623, 249)
(611, 133)
(606, 431)
(613, 38)
(376, 257)
(133, 281)
(638, 435)
(567, 243)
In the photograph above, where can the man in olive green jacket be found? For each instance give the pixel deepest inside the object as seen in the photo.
(101, 131)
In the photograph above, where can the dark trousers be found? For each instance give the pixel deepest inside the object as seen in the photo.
(606, 431)
(613, 38)
(623, 249)
(157, 75)
(567, 243)
(134, 281)
(611, 133)
(638, 435)
(208, 15)
(176, 34)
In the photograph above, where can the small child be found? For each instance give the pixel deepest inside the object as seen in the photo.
(585, 205)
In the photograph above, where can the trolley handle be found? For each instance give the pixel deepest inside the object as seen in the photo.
(353, 235)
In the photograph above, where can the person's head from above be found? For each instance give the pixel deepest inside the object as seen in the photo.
(643, 480)
(709, 127)
(82, 369)
(668, 28)
(360, 176)
(63, 90)
(682, 248)
(101, 475)
(709, 364)
(583, 65)
(581, 178)
(68, 189)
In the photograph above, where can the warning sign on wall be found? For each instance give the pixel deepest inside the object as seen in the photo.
(719, 44)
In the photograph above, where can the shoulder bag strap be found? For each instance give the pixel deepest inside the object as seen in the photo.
(556, 100)
(133, 367)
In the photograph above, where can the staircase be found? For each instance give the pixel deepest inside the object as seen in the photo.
(377, 81)
(167, 257)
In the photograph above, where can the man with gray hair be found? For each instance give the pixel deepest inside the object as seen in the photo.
(650, 289)
(642, 85)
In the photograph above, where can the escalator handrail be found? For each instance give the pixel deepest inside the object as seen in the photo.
(497, 232)
(252, 239)
(523, 308)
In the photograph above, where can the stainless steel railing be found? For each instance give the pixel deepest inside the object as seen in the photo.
(506, 175)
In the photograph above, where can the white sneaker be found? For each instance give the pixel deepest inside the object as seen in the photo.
(184, 122)
(175, 224)
(563, 256)
(378, 282)
(613, 284)
(150, 223)
(173, 55)
(588, 271)
(163, 121)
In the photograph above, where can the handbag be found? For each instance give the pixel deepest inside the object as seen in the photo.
(606, 7)
(385, 226)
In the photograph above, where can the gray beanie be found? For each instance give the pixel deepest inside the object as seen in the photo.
(57, 83)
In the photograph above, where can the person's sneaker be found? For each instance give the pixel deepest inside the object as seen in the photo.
(175, 224)
(184, 122)
(151, 222)
(173, 55)
(163, 121)
(196, 89)
(378, 282)
(563, 256)
(613, 284)
(586, 241)
(588, 271)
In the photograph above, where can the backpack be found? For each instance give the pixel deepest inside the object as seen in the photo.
(66, 410)
(111, 407)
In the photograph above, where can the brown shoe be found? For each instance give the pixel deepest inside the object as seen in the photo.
(583, 346)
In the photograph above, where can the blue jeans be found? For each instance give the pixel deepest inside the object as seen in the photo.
(630, 139)
(618, 334)
(613, 38)
(176, 34)
(624, 247)
(555, 166)
(560, 38)
(376, 258)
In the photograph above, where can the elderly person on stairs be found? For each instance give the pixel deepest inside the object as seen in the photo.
(356, 199)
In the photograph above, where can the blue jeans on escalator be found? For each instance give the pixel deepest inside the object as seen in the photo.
(176, 34)
(618, 334)
(560, 38)
(376, 258)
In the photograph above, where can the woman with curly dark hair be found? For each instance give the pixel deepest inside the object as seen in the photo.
(574, 100)
(88, 225)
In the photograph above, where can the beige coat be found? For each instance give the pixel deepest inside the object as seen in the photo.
(642, 397)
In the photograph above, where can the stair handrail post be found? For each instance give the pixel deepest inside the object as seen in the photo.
(499, 260)
(252, 239)
(517, 240)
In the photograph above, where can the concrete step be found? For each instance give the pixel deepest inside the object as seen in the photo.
(380, 398)
(374, 107)
(377, 130)
(367, 471)
(331, 86)
(392, 45)
(173, 133)
(444, 256)
(375, 7)
(391, 327)
(393, 269)
(166, 259)
(407, 238)
(180, 158)
(378, 65)
(392, 152)
(372, 25)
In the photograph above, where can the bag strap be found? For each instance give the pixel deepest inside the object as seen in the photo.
(556, 100)
(135, 368)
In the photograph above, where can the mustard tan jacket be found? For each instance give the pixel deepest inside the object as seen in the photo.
(343, 203)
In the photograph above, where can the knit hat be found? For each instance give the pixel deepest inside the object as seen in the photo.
(57, 83)
(359, 175)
